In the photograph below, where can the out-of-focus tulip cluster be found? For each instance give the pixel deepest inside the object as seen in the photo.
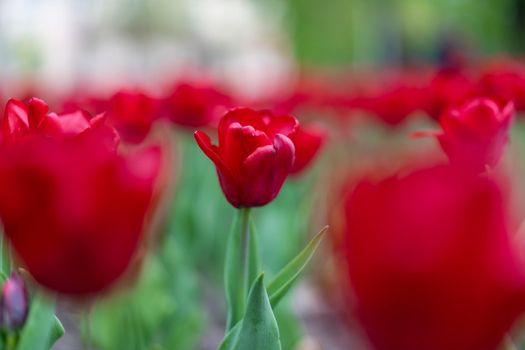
(414, 169)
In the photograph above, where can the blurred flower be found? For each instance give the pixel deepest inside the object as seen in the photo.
(392, 105)
(22, 121)
(132, 112)
(196, 104)
(14, 303)
(475, 135)
(431, 263)
(448, 88)
(307, 140)
(73, 209)
(505, 80)
(254, 155)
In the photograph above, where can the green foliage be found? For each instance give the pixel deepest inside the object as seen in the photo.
(42, 328)
(162, 311)
(284, 280)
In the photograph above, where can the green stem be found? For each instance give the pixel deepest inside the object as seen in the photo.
(86, 343)
(245, 244)
(10, 341)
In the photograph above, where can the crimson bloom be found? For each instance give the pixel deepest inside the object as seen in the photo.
(196, 104)
(448, 88)
(22, 121)
(394, 104)
(431, 262)
(308, 140)
(475, 134)
(505, 81)
(73, 209)
(132, 113)
(254, 155)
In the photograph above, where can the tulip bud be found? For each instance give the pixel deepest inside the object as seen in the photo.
(14, 304)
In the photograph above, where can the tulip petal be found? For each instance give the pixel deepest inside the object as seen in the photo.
(227, 180)
(265, 170)
(282, 124)
(15, 120)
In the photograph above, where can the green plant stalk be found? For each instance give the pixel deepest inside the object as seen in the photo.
(236, 267)
(245, 254)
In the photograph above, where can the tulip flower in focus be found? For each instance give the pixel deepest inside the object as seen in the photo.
(474, 135)
(430, 261)
(254, 156)
(308, 140)
(195, 104)
(72, 207)
(14, 303)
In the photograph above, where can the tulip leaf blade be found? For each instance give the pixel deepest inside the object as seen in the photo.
(259, 329)
(230, 338)
(285, 279)
(38, 330)
(57, 331)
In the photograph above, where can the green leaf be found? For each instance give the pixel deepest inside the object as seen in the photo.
(259, 330)
(57, 331)
(284, 280)
(38, 330)
(231, 337)
(234, 269)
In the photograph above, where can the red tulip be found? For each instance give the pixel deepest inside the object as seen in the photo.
(196, 105)
(449, 88)
(132, 113)
(505, 81)
(394, 104)
(14, 303)
(431, 263)
(254, 155)
(308, 140)
(22, 121)
(73, 209)
(475, 134)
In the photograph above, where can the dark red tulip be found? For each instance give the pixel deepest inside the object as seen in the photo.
(73, 209)
(196, 104)
(254, 155)
(14, 303)
(308, 140)
(431, 263)
(475, 135)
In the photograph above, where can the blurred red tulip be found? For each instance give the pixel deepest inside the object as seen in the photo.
(14, 303)
(196, 104)
(475, 135)
(448, 88)
(431, 263)
(73, 209)
(394, 104)
(505, 81)
(22, 121)
(307, 140)
(254, 155)
(132, 113)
